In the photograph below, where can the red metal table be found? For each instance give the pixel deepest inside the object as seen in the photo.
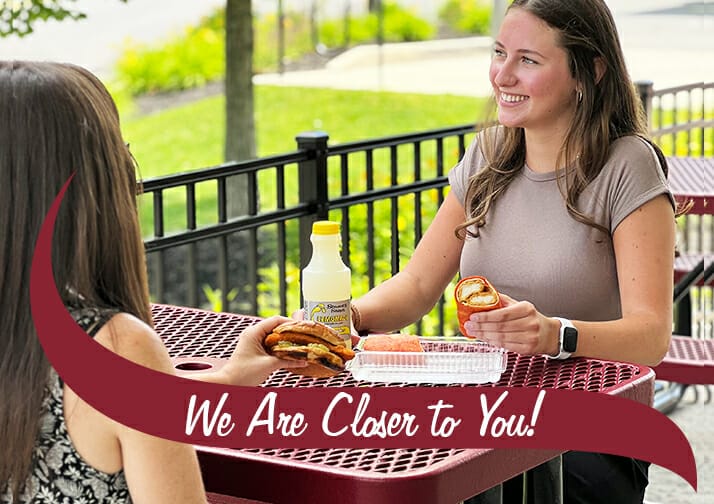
(689, 361)
(692, 178)
(428, 476)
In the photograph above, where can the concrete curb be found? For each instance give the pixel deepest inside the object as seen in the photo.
(368, 55)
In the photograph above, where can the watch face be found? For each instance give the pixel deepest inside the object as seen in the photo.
(570, 339)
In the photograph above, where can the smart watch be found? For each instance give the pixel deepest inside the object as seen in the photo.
(567, 339)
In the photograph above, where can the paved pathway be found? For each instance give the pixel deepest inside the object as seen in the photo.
(697, 422)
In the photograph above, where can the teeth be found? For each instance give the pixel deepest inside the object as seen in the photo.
(512, 98)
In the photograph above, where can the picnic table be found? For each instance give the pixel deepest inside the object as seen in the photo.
(692, 179)
(428, 476)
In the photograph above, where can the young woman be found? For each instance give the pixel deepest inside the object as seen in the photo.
(564, 207)
(56, 120)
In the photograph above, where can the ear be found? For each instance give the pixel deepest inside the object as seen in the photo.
(599, 68)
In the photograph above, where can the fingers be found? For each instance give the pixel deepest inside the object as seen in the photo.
(506, 300)
(290, 364)
(267, 325)
(514, 310)
(516, 327)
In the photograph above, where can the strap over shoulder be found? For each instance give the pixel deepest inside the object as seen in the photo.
(91, 320)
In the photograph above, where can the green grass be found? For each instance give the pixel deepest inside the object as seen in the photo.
(190, 137)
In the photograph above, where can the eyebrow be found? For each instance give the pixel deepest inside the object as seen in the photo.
(521, 51)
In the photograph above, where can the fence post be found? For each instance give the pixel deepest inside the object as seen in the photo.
(312, 186)
(645, 89)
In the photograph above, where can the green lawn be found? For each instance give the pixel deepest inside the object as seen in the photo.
(190, 137)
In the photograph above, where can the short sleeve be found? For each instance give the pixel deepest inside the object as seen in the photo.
(637, 178)
(462, 172)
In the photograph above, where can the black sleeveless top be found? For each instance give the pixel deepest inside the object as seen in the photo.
(59, 475)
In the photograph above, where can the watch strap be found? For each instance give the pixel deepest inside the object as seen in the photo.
(562, 352)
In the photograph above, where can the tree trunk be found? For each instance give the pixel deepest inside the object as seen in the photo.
(240, 122)
(239, 146)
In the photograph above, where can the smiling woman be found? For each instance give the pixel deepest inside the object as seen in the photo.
(564, 207)
(531, 79)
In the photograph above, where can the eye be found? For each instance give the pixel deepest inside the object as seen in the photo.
(500, 53)
(528, 61)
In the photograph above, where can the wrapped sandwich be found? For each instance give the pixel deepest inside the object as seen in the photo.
(474, 294)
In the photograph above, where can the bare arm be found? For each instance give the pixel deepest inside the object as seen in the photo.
(250, 365)
(412, 292)
(157, 470)
(644, 251)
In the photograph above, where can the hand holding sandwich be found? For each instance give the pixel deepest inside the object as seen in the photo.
(516, 326)
(250, 364)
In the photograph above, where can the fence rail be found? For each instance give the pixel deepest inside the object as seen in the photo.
(383, 191)
(203, 252)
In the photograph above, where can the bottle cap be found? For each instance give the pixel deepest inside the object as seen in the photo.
(325, 227)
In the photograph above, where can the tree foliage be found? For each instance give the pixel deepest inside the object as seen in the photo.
(18, 17)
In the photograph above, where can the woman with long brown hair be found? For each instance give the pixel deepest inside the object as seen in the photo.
(56, 120)
(565, 208)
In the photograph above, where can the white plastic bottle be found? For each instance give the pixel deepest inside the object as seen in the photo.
(326, 281)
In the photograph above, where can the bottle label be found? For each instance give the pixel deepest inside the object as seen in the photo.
(334, 314)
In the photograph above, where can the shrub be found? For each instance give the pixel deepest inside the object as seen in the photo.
(197, 56)
(400, 25)
(467, 16)
(184, 61)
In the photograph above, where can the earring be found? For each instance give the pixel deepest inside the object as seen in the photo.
(580, 95)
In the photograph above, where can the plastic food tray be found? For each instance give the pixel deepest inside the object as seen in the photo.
(444, 361)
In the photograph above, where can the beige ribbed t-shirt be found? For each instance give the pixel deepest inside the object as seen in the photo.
(532, 249)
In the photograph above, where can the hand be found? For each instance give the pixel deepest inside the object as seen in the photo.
(250, 364)
(517, 326)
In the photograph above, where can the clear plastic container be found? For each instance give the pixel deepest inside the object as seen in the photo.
(444, 361)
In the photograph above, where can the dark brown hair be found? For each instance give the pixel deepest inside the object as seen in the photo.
(55, 120)
(609, 109)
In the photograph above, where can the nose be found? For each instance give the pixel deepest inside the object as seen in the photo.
(502, 74)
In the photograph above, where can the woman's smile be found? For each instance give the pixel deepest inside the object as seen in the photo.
(511, 99)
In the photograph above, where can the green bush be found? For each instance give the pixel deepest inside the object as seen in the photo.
(184, 61)
(467, 16)
(197, 56)
(400, 25)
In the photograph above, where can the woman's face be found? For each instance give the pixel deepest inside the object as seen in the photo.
(530, 75)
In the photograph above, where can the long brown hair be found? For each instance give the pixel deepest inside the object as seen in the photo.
(55, 120)
(609, 109)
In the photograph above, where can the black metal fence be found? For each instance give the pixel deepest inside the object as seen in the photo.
(383, 191)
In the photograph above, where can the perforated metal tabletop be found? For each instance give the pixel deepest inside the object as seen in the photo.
(692, 179)
(429, 476)
(689, 360)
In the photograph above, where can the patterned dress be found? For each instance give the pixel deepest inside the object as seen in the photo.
(59, 475)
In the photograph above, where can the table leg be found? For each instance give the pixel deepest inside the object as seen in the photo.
(683, 320)
(544, 483)
(491, 496)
